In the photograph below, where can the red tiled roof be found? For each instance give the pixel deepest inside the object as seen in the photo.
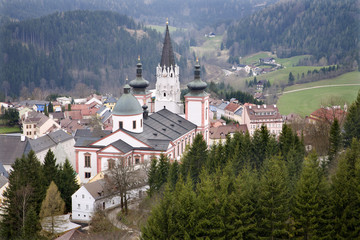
(328, 114)
(74, 115)
(232, 107)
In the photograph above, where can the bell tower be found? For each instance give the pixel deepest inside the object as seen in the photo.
(197, 104)
(167, 91)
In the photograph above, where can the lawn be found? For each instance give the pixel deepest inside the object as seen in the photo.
(286, 62)
(6, 129)
(307, 101)
(347, 78)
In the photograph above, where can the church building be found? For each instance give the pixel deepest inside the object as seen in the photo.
(142, 128)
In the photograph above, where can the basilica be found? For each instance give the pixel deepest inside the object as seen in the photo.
(143, 126)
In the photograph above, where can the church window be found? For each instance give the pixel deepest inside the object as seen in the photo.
(171, 74)
(111, 163)
(206, 113)
(164, 94)
(120, 124)
(182, 146)
(87, 160)
(87, 174)
(134, 124)
(178, 149)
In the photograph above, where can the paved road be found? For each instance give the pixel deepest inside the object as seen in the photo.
(337, 85)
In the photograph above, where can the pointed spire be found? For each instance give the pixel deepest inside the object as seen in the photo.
(167, 57)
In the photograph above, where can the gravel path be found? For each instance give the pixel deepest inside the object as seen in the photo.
(323, 86)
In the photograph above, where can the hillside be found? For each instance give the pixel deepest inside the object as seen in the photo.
(180, 13)
(60, 50)
(326, 29)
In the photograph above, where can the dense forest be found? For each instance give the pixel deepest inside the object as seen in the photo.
(260, 187)
(326, 29)
(180, 13)
(98, 49)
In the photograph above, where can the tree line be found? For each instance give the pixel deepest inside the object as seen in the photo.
(301, 27)
(58, 51)
(24, 200)
(260, 187)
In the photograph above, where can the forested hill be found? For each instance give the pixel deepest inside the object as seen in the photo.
(180, 13)
(323, 28)
(57, 51)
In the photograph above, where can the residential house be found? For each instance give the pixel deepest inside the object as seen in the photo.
(60, 142)
(101, 111)
(36, 124)
(17, 144)
(57, 116)
(327, 115)
(64, 101)
(110, 102)
(268, 60)
(220, 109)
(219, 134)
(96, 195)
(70, 126)
(4, 183)
(257, 115)
(230, 109)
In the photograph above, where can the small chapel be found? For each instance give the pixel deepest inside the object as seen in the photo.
(143, 127)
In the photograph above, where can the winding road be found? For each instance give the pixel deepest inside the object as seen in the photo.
(337, 85)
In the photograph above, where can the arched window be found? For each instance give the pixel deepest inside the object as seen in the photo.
(164, 94)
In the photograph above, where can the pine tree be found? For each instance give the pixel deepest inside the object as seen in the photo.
(273, 200)
(352, 122)
(334, 141)
(346, 192)
(309, 205)
(244, 205)
(52, 206)
(50, 107)
(162, 171)
(22, 199)
(67, 183)
(69, 107)
(46, 112)
(195, 158)
(50, 168)
(291, 78)
(173, 174)
(152, 176)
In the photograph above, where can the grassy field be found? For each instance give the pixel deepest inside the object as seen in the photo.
(307, 101)
(161, 29)
(286, 62)
(347, 78)
(6, 129)
(209, 47)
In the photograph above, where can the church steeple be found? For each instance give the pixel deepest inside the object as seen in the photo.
(167, 57)
(139, 84)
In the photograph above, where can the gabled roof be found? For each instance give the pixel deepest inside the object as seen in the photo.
(106, 116)
(221, 131)
(122, 146)
(49, 140)
(167, 56)
(96, 189)
(110, 99)
(3, 172)
(222, 106)
(3, 180)
(232, 107)
(11, 147)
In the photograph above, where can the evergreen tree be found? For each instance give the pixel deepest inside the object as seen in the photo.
(50, 168)
(52, 206)
(69, 107)
(334, 141)
(273, 200)
(173, 174)
(244, 205)
(291, 78)
(195, 159)
(346, 192)
(22, 199)
(352, 122)
(67, 183)
(46, 112)
(152, 176)
(162, 171)
(50, 107)
(309, 207)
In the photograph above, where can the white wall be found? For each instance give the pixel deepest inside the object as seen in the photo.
(128, 122)
(82, 205)
(93, 165)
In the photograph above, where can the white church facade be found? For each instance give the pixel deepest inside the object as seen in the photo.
(143, 128)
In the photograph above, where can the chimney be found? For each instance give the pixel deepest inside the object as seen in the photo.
(258, 106)
(146, 112)
(264, 105)
(22, 138)
(274, 105)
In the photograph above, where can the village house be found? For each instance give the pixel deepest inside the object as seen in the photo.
(219, 134)
(36, 124)
(327, 115)
(268, 115)
(230, 109)
(268, 60)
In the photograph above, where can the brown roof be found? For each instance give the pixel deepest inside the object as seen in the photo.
(328, 114)
(96, 189)
(260, 112)
(73, 115)
(221, 131)
(70, 125)
(232, 107)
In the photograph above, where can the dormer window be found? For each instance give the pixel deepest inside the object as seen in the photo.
(134, 124)
(120, 125)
